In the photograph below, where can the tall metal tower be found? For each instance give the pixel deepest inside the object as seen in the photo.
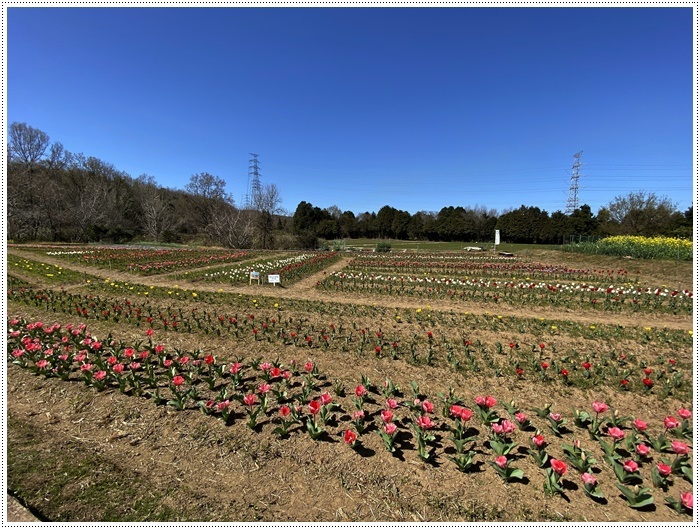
(251, 199)
(572, 203)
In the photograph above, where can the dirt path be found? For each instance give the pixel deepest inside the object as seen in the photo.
(305, 290)
(17, 513)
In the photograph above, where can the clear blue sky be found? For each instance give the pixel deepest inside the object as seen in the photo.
(417, 108)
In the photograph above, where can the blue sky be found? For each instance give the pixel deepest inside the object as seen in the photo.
(417, 108)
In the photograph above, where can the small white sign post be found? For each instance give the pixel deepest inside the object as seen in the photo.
(254, 276)
(498, 239)
(273, 278)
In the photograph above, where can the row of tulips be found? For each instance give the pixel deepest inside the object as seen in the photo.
(143, 261)
(48, 273)
(423, 316)
(540, 361)
(415, 264)
(570, 295)
(293, 398)
(290, 269)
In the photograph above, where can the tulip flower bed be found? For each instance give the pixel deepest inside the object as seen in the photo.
(571, 295)
(587, 365)
(143, 261)
(47, 272)
(290, 269)
(643, 456)
(494, 267)
(141, 400)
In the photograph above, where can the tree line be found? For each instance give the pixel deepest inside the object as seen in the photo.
(55, 195)
(638, 213)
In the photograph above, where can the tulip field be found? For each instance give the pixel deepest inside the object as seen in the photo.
(162, 384)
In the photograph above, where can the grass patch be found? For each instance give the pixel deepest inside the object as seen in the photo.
(74, 484)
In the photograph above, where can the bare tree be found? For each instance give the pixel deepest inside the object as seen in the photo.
(157, 211)
(233, 227)
(268, 203)
(27, 144)
(207, 192)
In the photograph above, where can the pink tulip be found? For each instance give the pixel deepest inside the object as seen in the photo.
(588, 479)
(642, 449)
(671, 422)
(616, 433)
(427, 406)
(456, 410)
(664, 470)
(424, 422)
(599, 407)
(538, 441)
(630, 466)
(687, 500)
(387, 416)
(639, 425)
(684, 413)
(679, 448)
(502, 461)
(250, 399)
(392, 404)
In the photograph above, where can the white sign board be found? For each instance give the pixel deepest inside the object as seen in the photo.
(498, 237)
(273, 278)
(254, 276)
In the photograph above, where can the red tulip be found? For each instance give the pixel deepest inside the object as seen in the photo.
(559, 466)
(350, 437)
(361, 391)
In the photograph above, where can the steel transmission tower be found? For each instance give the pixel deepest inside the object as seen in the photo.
(572, 203)
(253, 196)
